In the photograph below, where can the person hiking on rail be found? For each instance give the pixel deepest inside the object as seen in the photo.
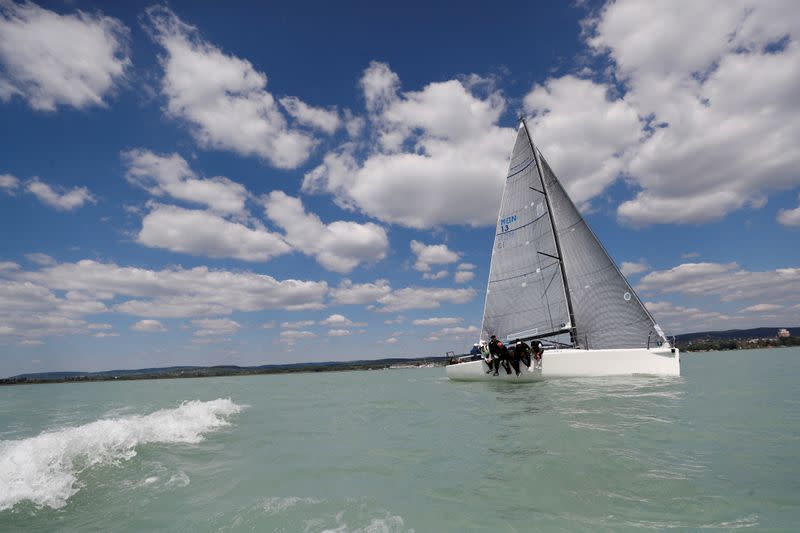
(522, 352)
(499, 354)
(538, 349)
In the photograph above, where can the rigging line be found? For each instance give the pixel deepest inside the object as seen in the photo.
(535, 189)
(520, 227)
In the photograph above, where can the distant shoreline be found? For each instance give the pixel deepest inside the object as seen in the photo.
(218, 371)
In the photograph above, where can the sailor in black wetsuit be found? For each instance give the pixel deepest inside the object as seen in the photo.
(522, 353)
(499, 353)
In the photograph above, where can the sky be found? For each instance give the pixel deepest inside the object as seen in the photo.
(188, 183)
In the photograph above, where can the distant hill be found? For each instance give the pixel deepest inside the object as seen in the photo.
(219, 370)
(734, 334)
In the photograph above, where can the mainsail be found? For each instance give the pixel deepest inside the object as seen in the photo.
(549, 274)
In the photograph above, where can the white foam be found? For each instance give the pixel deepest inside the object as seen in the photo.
(44, 469)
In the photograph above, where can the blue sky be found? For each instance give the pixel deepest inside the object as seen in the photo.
(186, 184)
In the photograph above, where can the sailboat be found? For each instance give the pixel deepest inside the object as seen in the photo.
(551, 279)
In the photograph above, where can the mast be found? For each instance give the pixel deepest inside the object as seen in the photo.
(572, 336)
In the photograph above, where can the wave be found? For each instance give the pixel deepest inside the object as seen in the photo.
(44, 469)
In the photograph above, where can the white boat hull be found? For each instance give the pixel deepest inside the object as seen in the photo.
(570, 363)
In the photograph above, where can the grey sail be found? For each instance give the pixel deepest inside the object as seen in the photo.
(549, 274)
(607, 312)
(525, 296)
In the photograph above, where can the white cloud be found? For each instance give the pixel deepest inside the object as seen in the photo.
(728, 281)
(30, 310)
(207, 234)
(760, 308)
(170, 175)
(422, 298)
(391, 340)
(269, 325)
(177, 292)
(222, 97)
(440, 157)
(325, 120)
(40, 259)
(437, 321)
(709, 121)
(50, 59)
(680, 319)
(63, 199)
(629, 267)
(789, 217)
(105, 334)
(583, 134)
(399, 319)
(213, 327)
(297, 324)
(458, 331)
(466, 266)
(341, 320)
(292, 335)
(436, 254)
(434, 276)
(339, 246)
(8, 265)
(148, 326)
(360, 293)
(690, 255)
(463, 276)
(9, 183)
(338, 333)
(99, 326)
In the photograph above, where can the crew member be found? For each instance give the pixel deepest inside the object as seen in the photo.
(499, 354)
(522, 353)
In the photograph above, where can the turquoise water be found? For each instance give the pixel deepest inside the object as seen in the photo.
(407, 450)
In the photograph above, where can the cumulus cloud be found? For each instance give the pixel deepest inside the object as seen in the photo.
(204, 233)
(208, 327)
(360, 293)
(50, 59)
(9, 183)
(325, 120)
(40, 258)
(439, 158)
(62, 199)
(458, 331)
(176, 292)
(338, 332)
(341, 320)
(709, 118)
(437, 321)
(8, 265)
(585, 134)
(339, 246)
(463, 276)
(170, 175)
(291, 336)
(436, 254)
(422, 298)
(222, 97)
(629, 267)
(297, 324)
(435, 275)
(678, 318)
(789, 217)
(760, 308)
(30, 310)
(148, 326)
(728, 281)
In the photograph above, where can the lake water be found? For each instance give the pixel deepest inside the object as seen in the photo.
(408, 450)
